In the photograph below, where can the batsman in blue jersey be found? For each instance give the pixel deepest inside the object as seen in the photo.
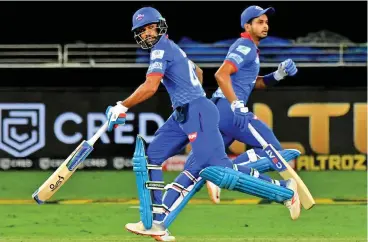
(195, 119)
(237, 77)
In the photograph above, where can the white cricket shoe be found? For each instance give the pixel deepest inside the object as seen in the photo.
(166, 237)
(156, 232)
(293, 204)
(214, 192)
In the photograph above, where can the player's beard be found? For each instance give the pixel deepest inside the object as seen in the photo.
(150, 40)
(261, 36)
(257, 36)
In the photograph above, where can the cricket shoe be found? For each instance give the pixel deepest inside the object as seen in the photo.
(156, 232)
(214, 192)
(293, 204)
(166, 237)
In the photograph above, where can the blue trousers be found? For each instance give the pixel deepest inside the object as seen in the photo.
(230, 132)
(200, 129)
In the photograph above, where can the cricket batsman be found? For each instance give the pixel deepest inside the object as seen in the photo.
(194, 118)
(237, 77)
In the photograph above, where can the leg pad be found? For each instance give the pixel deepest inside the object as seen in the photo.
(144, 185)
(230, 179)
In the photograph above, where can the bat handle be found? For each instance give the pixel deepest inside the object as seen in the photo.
(256, 135)
(97, 135)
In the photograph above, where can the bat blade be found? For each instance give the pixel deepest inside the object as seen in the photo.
(63, 173)
(286, 172)
(306, 198)
(284, 169)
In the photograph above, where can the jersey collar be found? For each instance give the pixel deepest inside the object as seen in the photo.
(163, 38)
(246, 35)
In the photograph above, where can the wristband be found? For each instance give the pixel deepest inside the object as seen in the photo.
(270, 80)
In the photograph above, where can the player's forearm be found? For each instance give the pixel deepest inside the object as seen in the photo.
(224, 82)
(260, 83)
(142, 93)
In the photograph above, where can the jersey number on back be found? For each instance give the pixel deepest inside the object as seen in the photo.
(193, 75)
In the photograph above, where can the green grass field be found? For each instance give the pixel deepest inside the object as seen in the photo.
(198, 222)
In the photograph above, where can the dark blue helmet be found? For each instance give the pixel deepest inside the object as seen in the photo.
(143, 17)
(254, 12)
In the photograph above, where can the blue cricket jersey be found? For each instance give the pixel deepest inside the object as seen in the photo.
(168, 60)
(243, 54)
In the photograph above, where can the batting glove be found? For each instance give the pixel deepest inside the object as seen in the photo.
(116, 115)
(241, 114)
(286, 68)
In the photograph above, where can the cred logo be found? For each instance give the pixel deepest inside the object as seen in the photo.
(278, 165)
(22, 128)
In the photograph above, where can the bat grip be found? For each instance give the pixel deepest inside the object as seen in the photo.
(97, 135)
(256, 135)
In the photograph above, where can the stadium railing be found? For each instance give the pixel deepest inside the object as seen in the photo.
(206, 55)
(31, 56)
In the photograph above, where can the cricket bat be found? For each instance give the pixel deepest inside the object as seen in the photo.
(285, 170)
(67, 168)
